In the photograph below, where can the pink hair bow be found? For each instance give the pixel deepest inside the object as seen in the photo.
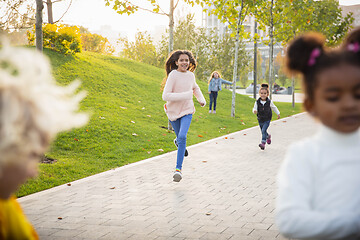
(315, 53)
(353, 47)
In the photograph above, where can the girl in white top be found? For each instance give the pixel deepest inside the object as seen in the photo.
(319, 181)
(180, 86)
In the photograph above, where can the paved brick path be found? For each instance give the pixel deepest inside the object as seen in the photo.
(227, 192)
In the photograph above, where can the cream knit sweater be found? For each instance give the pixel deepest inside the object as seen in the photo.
(319, 187)
(178, 94)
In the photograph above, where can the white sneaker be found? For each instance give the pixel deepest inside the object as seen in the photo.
(214, 111)
(209, 111)
(177, 176)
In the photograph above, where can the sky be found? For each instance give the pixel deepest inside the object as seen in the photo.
(93, 14)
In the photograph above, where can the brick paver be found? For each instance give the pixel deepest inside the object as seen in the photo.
(227, 192)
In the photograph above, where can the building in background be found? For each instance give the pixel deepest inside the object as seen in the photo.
(211, 22)
(355, 9)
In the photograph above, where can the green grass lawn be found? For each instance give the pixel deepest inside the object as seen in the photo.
(128, 123)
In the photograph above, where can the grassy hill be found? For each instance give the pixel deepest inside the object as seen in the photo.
(128, 122)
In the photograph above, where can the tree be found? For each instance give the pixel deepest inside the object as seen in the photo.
(286, 19)
(12, 19)
(233, 12)
(142, 49)
(49, 4)
(324, 16)
(130, 7)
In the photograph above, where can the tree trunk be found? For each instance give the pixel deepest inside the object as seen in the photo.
(38, 28)
(171, 38)
(271, 49)
(50, 11)
(171, 26)
(235, 71)
(255, 60)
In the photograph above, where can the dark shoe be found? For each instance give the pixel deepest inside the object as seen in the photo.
(268, 139)
(262, 146)
(186, 151)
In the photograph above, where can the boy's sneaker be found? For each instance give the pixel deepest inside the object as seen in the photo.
(262, 146)
(268, 139)
(186, 151)
(209, 111)
(214, 111)
(177, 176)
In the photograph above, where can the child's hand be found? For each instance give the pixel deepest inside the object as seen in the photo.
(209, 92)
(255, 112)
(278, 116)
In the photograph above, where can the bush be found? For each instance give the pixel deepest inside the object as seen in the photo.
(59, 37)
(96, 43)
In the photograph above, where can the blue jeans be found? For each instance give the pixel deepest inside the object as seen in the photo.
(264, 126)
(181, 127)
(213, 97)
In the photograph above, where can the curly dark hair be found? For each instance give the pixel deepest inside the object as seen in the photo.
(308, 55)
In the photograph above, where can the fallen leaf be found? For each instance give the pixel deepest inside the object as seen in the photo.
(242, 123)
(284, 121)
(148, 115)
(112, 188)
(123, 107)
(226, 137)
(60, 218)
(87, 130)
(143, 108)
(244, 133)
(160, 150)
(204, 161)
(208, 214)
(76, 139)
(69, 184)
(149, 152)
(132, 121)
(164, 134)
(102, 117)
(139, 101)
(134, 134)
(200, 135)
(148, 140)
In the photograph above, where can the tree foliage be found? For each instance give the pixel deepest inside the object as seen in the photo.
(298, 16)
(12, 18)
(142, 49)
(131, 6)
